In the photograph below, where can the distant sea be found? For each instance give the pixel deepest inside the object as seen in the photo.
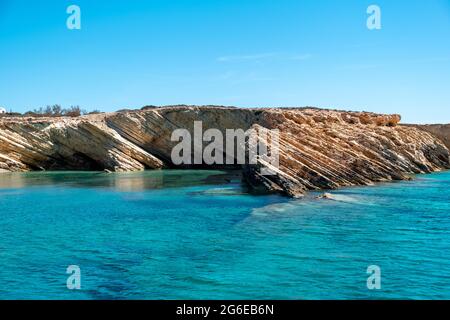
(200, 235)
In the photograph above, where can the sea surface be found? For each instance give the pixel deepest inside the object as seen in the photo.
(200, 235)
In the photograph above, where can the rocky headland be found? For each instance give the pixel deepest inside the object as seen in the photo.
(319, 149)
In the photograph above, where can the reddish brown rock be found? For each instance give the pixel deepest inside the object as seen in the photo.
(319, 149)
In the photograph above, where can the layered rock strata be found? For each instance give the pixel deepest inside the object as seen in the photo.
(319, 149)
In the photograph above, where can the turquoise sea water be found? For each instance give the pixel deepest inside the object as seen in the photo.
(198, 235)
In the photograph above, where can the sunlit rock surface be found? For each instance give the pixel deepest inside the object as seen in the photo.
(319, 149)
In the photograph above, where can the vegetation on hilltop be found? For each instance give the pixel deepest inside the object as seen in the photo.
(52, 111)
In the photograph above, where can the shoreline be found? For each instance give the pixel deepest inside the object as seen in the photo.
(320, 149)
(224, 175)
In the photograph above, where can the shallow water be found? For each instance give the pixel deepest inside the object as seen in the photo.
(196, 235)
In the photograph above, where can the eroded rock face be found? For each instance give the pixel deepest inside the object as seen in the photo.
(329, 149)
(319, 149)
(78, 144)
(441, 131)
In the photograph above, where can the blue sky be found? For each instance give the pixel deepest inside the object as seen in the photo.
(248, 53)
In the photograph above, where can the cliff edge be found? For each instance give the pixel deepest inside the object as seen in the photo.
(319, 149)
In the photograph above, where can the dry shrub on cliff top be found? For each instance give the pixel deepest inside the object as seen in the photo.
(56, 111)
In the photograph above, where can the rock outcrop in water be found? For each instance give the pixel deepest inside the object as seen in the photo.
(319, 149)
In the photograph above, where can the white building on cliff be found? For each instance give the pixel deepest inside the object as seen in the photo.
(2, 110)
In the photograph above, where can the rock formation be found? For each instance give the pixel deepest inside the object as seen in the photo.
(441, 131)
(319, 149)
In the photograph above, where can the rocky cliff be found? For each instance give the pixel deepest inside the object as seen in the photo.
(441, 131)
(319, 149)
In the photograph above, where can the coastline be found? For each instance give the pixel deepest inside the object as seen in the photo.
(319, 148)
(222, 178)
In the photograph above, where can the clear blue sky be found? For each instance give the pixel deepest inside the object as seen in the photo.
(246, 53)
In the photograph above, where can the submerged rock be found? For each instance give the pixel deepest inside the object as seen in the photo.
(319, 149)
(325, 196)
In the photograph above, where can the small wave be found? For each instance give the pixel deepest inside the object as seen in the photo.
(276, 208)
(338, 197)
(293, 206)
